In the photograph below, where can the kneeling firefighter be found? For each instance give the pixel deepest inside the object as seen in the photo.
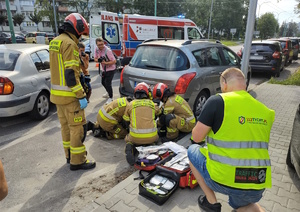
(140, 116)
(177, 114)
(110, 120)
(66, 91)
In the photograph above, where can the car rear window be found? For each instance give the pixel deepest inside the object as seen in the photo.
(40, 34)
(8, 59)
(159, 58)
(263, 47)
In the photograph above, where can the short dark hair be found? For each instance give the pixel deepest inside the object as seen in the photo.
(81, 45)
(99, 40)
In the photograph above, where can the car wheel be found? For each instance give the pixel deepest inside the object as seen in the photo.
(200, 101)
(288, 159)
(41, 106)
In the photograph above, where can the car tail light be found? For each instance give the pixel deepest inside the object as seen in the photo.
(276, 55)
(6, 86)
(121, 77)
(183, 82)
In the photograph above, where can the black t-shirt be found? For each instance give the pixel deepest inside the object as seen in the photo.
(212, 113)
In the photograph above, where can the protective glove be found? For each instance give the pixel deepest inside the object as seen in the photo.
(83, 103)
(162, 120)
(125, 124)
(168, 118)
(87, 78)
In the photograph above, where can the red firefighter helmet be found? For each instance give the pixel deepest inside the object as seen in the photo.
(142, 88)
(78, 23)
(159, 90)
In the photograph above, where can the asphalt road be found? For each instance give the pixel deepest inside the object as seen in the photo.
(39, 178)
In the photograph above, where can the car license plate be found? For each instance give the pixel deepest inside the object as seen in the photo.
(256, 57)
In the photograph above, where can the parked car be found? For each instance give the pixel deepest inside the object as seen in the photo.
(287, 49)
(295, 47)
(293, 154)
(31, 37)
(189, 68)
(24, 80)
(267, 56)
(5, 38)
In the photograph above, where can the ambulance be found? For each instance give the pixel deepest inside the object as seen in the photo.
(138, 28)
(106, 25)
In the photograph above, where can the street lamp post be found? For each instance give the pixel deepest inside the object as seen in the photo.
(211, 7)
(54, 10)
(155, 6)
(11, 25)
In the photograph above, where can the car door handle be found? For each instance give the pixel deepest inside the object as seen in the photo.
(47, 78)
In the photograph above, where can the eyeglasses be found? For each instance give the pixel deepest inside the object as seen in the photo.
(223, 78)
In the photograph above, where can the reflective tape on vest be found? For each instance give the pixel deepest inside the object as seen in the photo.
(122, 102)
(77, 150)
(113, 111)
(171, 130)
(238, 145)
(76, 88)
(145, 135)
(143, 130)
(240, 162)
(106, 117)
(71, 63)
(62, 93)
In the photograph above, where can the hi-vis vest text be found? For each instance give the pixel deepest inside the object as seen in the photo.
(59, 63)
(237, 155)
(108, 116)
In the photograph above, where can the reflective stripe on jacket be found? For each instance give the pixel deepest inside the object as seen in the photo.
(64, 55)
(237, 155)
(114, 111)
(141, 114)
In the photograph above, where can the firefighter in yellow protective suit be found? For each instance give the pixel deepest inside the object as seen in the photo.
(140, 114)
(67, 92)
(110, 120)
(177, 114)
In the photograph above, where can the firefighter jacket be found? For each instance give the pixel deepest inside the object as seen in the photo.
(185, 118)
(112, 113)
(65, 69)
(141, 115)
(237, 154)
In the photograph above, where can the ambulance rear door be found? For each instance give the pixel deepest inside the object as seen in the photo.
(105, 25)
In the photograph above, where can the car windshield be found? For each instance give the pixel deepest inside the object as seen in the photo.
(160, 58)
(8, 59)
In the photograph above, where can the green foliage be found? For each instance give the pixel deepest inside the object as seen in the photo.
(292, 80)
(18, 18)
(3, 18)
(36, 17)
(267, 25)
(229, 43)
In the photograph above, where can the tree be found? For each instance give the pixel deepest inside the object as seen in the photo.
(267, 25)
(292, 30)
(18, 19)
(46, 10)
(3, 18)
(36, 18)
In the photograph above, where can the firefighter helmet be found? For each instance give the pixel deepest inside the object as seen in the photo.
(159, 90)
(142, 88)
(78, 23)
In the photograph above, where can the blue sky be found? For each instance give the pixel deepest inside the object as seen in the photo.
(282, 9)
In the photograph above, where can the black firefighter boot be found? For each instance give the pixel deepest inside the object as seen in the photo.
(85, 166)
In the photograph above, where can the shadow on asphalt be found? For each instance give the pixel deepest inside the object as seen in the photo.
(46, 198)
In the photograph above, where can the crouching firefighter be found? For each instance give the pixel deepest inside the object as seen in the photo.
(110, 120)
(177, 115)
(140, 116)
(67, 92)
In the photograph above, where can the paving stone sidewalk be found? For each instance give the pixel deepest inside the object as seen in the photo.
(283, 196)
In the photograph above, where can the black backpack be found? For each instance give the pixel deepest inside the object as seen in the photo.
(118, 63)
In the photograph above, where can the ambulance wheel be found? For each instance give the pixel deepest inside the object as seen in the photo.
(41, 106)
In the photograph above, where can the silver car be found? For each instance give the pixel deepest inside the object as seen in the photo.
(189, 68)
(24, 80)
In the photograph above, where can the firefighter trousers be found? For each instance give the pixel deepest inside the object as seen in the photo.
(72, 121)
(179, 125)
(113, 130)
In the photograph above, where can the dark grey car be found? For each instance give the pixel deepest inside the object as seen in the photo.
(190, 68)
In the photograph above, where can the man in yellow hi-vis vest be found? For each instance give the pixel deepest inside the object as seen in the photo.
(110, 120)
(67, 92)
(236, 161)
(177, 114)
(140, 115)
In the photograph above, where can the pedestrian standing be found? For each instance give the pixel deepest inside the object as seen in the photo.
(236, 161)
(106, 58)
(67, 92)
